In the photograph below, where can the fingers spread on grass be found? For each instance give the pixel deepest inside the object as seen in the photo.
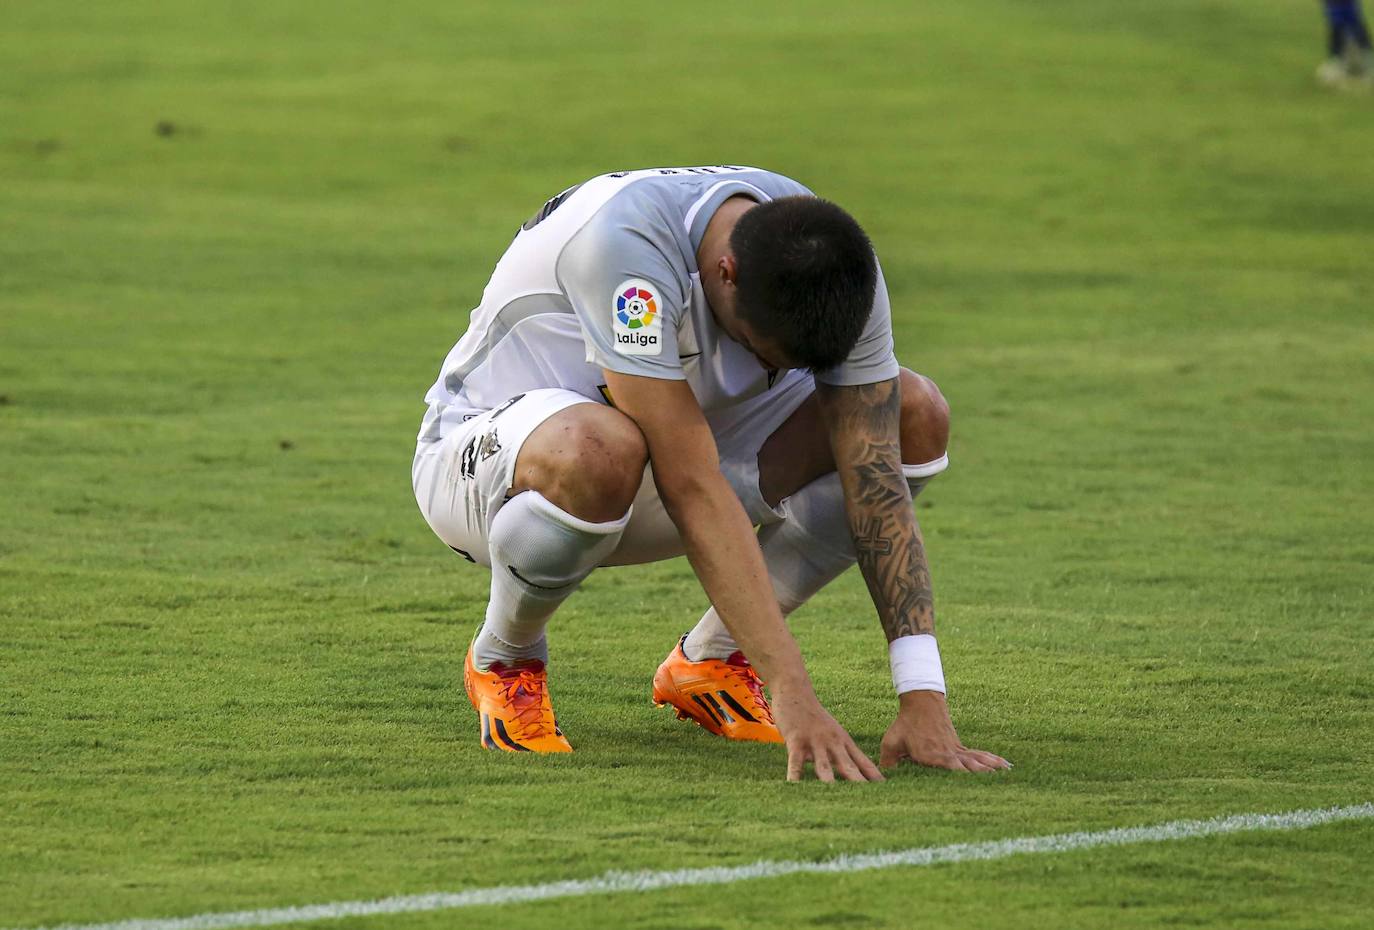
(796, 762)
(844, 765)
(988, 759)
(865, 764)
(992, 759)
(952, 762)
(823, 770)
(972, 763)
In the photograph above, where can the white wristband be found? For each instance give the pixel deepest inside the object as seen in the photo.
(916, 664)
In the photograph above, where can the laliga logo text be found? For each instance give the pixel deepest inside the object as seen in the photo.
(636, 339)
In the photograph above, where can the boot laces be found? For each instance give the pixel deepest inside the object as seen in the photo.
(525, 689)
(743, 672)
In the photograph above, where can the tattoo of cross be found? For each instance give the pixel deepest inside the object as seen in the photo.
(872, 541)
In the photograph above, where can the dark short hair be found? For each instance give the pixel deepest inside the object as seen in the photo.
(805, 275)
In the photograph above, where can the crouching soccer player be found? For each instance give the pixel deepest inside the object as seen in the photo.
(662, 361)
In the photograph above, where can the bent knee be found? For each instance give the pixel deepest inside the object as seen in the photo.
(609, 450)
(587, 459)
(925, 419)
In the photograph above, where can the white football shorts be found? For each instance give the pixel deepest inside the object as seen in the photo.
(462, 481)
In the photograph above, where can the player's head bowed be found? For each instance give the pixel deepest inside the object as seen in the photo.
(805, 275)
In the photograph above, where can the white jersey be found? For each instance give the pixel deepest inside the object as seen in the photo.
(604, 276)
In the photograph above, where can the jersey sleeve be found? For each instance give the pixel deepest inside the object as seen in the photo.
(628, 299)
(873, 357)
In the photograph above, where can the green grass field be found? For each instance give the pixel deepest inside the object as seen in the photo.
(1131, 241)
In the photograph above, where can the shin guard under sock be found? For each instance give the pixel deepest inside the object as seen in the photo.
(539, 555)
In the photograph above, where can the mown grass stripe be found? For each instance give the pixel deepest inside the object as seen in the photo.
(631, 882)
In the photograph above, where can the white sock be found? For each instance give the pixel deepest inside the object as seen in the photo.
(807, 550)
(539, 555)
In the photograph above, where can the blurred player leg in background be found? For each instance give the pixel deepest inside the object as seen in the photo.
(1349, 55)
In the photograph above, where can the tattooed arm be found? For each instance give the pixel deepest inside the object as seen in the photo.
(864, 422)
(865, 437)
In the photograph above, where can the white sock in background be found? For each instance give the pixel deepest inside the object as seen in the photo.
(539, 555)
(804, 552)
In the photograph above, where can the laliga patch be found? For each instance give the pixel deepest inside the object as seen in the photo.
(636, 319)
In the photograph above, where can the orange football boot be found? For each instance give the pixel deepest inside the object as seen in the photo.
(513, 703)
(726, 697)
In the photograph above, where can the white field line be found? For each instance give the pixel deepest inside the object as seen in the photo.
(634, 882)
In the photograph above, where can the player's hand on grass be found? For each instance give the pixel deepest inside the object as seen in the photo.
(812, 735)
(924, 734)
